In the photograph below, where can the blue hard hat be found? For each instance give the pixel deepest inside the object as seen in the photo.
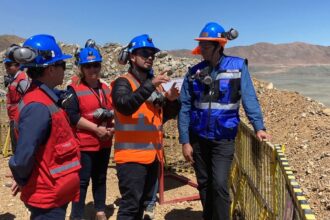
(142, 41)
(211, 30)
(7, 60)
(89, 55)
(48, 52)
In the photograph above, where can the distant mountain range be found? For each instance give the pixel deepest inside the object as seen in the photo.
(260, 54)
(296, 53)
(7, 40)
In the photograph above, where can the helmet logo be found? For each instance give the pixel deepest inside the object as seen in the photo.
(91, 57)
(204, 34)
(219, 34)
(53, 53)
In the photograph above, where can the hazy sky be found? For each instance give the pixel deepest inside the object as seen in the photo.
(172, 24)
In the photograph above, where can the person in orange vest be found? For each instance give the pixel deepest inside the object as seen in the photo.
(46, 164)
(17, 83)
(141, 107)
(90, 111)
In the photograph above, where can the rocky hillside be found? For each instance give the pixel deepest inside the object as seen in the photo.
(111, 68)
(300, 123)
(7, 40)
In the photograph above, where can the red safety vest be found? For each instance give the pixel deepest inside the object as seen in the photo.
(89, 101)
(13, 96)
(55, 177)
(138, 137)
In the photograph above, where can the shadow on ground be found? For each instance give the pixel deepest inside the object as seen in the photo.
(183, 214)
(7, 216)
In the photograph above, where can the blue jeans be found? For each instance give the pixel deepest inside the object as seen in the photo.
(212, 166)
(47, 214)
(94, 166)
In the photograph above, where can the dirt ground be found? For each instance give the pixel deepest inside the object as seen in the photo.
(300, 123)
(12, 208)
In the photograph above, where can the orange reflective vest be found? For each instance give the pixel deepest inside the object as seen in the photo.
(89, 101)
(13, 96)
(138, 137)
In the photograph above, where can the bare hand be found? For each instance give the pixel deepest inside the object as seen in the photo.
(263, 135)
(103, 133)
(111, 131)
(15, 188)
(173, 93)
(159, 79)
(187, 152)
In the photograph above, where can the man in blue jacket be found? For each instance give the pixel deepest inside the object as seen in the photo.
(209, 117)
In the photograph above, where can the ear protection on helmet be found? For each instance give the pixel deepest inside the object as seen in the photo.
(124, 55)
(77, 56)
(231, 34)
(92, 44)
(10, 51)
(26, 55)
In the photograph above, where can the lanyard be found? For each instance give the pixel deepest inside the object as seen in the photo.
(100, 96)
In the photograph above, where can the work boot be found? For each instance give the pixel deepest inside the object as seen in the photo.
(101, 217)
(149, 213)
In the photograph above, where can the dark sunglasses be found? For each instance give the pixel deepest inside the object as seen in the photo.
(61, 64)
(8, 64)
(146, 54)
(90, 65)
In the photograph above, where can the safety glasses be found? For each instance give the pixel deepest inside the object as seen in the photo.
(91, 65)
(146, 54)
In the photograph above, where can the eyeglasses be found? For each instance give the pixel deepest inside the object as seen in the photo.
(146, 54)
(61, 64)
(90, 65)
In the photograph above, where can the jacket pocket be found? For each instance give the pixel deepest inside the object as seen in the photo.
(226, 127)
(67, 148)
(66, 160)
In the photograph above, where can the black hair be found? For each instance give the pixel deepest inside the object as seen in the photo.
(35, 72)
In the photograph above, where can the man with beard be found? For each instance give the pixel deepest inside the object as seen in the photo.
(141, 107)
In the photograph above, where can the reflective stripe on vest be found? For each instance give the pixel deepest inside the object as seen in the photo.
(83, 93)
(65, 167)
(52, 108)
(14, 84)
(140, 126)
(216, 105)
(137, 146)
(230, 74)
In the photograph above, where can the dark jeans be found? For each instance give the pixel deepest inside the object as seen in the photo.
(12, 136)
(47, 214)
(152, 202)
(137, 185)
(94, 166)
(212, 166)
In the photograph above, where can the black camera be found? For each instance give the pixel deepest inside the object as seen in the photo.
(7, 79)
(202, 76)
(157, 99)
(102, 114)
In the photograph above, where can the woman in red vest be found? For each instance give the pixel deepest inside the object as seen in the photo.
(90, 111)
